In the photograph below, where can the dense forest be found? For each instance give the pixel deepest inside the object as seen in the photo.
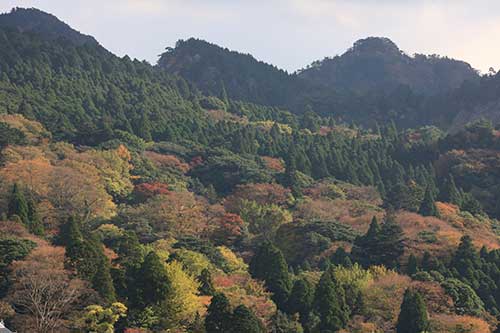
(199, 195)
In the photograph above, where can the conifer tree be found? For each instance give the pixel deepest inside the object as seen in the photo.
(413, 316)
(391, 242)
(245, 321)
(269, 264)
(412, 267)
(330, 303)
(366, 247)
(18, 205)
(151, 284)
(428, 206)
(35, 225)
(301, 299)
(102, 281)
(219, 316)
(206, 284)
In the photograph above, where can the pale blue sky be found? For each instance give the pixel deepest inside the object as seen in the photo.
(287, 33)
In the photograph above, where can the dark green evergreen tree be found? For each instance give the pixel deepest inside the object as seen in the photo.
(206, 284)
(412, 266)
(269, 264)
(330, 303)
(428, 206)
(219, 316)
(245, 321)
(35, 225)
(102, 281)
(301, 299)
(18, 206)
(151, 283)
(413, 316)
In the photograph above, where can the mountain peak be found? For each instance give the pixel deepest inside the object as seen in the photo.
(36, 21)
(375, 45)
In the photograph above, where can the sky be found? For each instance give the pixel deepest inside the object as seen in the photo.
(287, 33)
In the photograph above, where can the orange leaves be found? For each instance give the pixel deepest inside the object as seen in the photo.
(443, 323)
(229, 228)
(146, 191)
(260, 193)
(274, 164)
(34, 131)
(170, 215)
(163, 161)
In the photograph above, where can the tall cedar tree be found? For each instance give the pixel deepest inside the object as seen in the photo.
(245, 321)
(219, 316)
(86, 257)
(428, 205)
(412, 266)
(330, 303)
(301, 299)
(269, 264)
(151, 282)
(391, 244)
(206, 284)
(18, 206)
(413, 316)
(365, 249)
(35, 225)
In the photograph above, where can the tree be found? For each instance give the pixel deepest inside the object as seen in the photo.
(219, 316)
(412, 265)
(181, 303)
(450, 192)
(43, 290)
(98, 319)
(206, 284)
(285, 324)
(301, 299)
(245, 321)
(366, 248)
(35, 225)
(391, 243)
(413, 316)
(269, 264)
(18, 206)
(151, 284)
(330, 303)
(428, 206)
(102, 281)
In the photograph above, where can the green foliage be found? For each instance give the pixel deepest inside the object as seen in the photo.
(330, 303)
(150, 285)
(381, 245)
(285, 324)
(102, 320)
(219, 316)
(413, 316)
(18, 205)
(245, 321)
(268, 264)
(428, 206)
(465, 300)
(301, 299)
(206, 283)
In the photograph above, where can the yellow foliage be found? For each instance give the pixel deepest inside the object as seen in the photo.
(233, 262)
(183, 301)
(34, 131)
(192, 262)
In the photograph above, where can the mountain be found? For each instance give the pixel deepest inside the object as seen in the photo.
(131, 201)
(378, 64)
(48, 26)
(373, 82)
(214, 70)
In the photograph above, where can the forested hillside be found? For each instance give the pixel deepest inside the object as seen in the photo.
(137, 200)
